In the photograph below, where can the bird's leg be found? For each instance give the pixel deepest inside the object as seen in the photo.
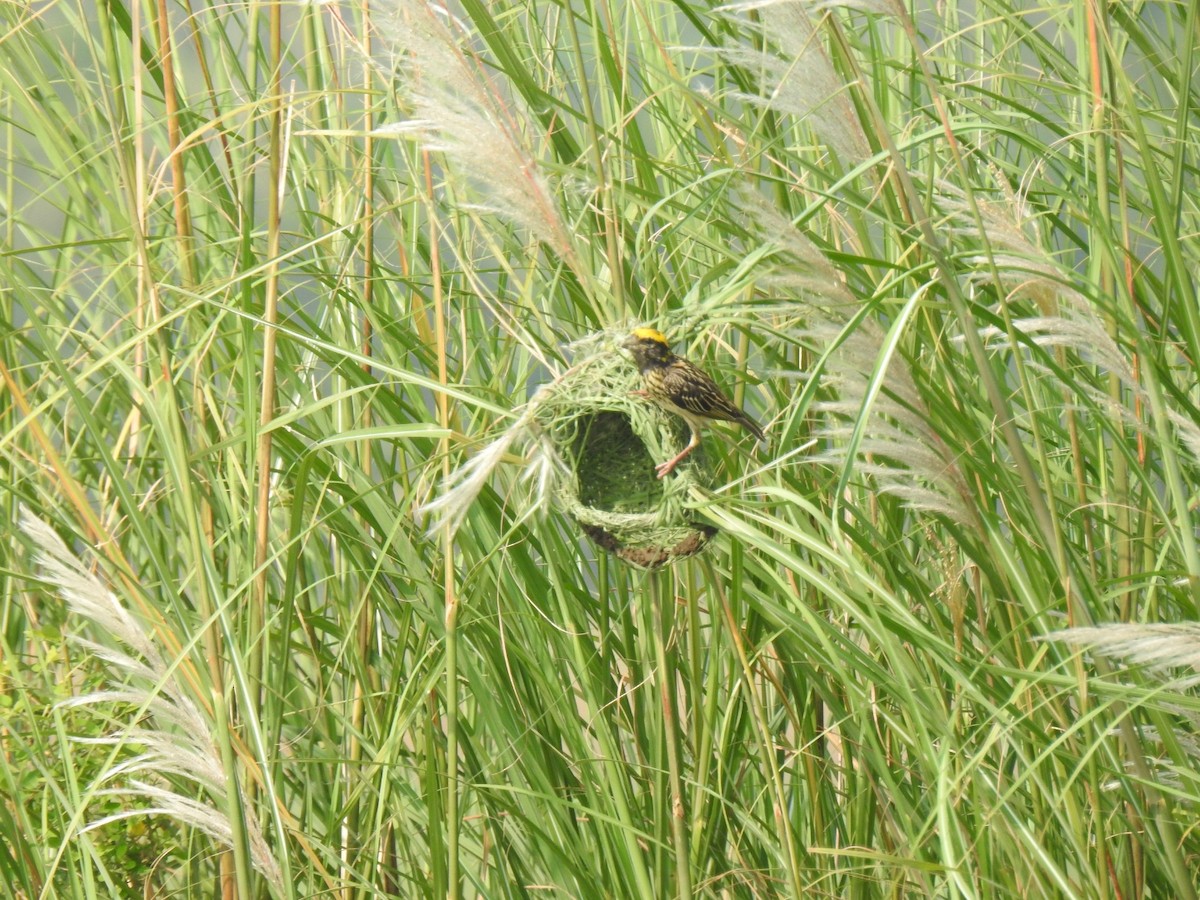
(662, 470)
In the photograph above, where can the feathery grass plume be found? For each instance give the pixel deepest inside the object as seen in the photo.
(201, 816)
(1068, 320)
(1024, 268)
(797, 265)
(908, 459)
(459, 489)
(1161, 648)
(1078, 329)
(459, 111)
(795, 74)
(1188, 431)
(179, 743)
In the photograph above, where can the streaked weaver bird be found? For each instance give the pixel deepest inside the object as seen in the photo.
(682, 388)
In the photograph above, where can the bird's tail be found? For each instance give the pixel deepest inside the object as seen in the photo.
(752, 426)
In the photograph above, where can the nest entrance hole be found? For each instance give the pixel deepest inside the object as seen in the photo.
(613, 466)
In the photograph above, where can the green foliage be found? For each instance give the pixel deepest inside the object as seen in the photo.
(53, 749)
(271, 273)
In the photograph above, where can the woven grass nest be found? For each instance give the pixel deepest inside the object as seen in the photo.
(609, 442)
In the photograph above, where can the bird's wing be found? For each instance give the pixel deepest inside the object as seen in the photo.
(701, 397)
(698, 395)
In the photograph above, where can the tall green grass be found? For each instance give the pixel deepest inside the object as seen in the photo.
(272, 273)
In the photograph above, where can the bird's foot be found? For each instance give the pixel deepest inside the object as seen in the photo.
(662, 470)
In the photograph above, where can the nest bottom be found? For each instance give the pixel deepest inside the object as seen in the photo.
(652, 554)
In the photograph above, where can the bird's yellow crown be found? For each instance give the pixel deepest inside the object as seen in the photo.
(649, 334)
